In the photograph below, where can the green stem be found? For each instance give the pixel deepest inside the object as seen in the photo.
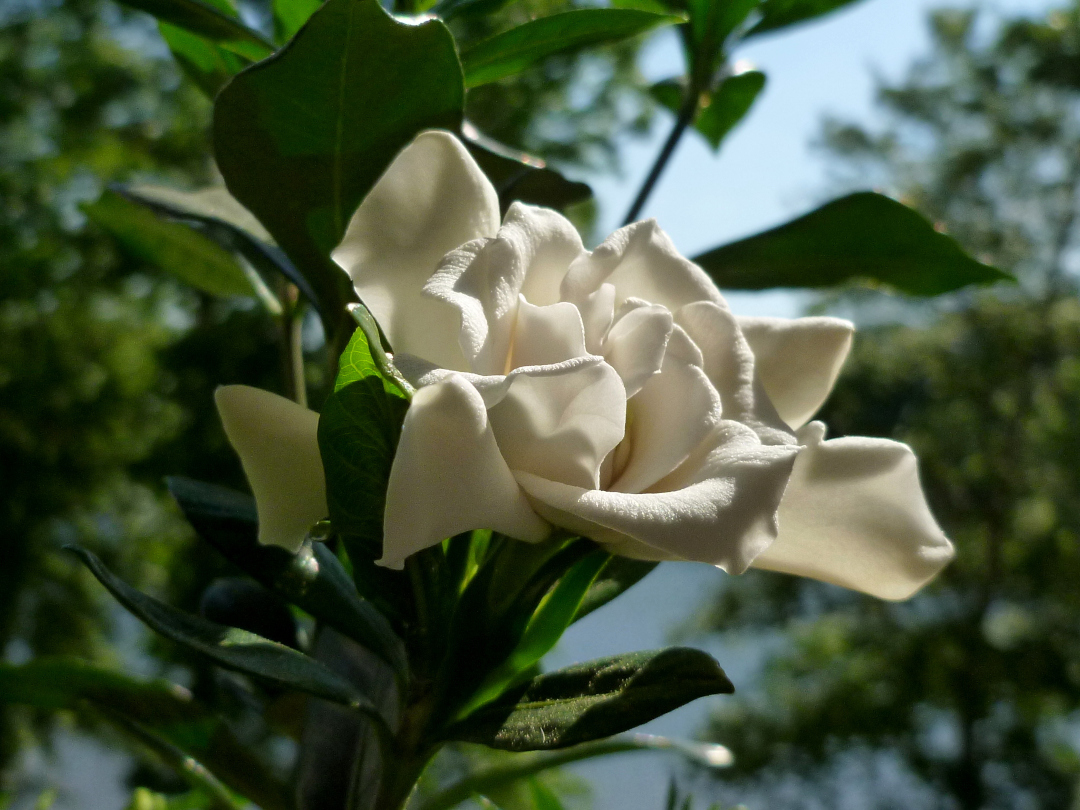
(686, 116)
(292, 324)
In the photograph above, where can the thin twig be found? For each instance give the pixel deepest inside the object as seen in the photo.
(686, 116)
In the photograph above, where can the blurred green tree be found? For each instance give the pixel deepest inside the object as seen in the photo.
(967, 696)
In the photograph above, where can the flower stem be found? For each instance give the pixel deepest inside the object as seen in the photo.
(687, 113)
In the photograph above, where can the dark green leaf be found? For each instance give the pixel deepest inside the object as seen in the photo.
(617, 576)
(174, 248)
(862, 236)
(728, 104)
(518, 176)
(63, 683)
(207, 21)
(229, 647)
(300, 139)
(512, 51)
(777, 14)
(593, 700)
(313, 579)
(545, 627)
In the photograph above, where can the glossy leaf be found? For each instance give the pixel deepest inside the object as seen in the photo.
(175, 248)
(863, 236)
(593, 700)
(515, 50)
(726, 107)
(301, 139)
(312, 579)
(518, 176)
(207, 64)
(620, 574)
(776, 14)
(207, 21)
(229, 647)
(62, 683)
(365, 356)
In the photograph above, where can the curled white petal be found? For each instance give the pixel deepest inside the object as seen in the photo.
(636, 343)
(484, 280)
(726, 517)
(855, 515)
(640, 261)
(560, 422)
(277, 441)
(546, 335)
(798, 360)
(432, 199)
(449, 477)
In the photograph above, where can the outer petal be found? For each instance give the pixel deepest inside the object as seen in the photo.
(560, 422)
(855, 515)
(484, 280)
(449, 477)
(726, 517)
(797, 360)
(432, 199)
(277, 441)
(641, 262)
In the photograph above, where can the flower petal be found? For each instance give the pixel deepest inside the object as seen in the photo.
(636, 342)
(729, 365)
(432, 199)
(544, 336)
(641, 261)
(671, 415)
(484, 280)
(798, 360)
(449, 477)
(855, 515)
(726, 517)
(561, 422)
(277, 441)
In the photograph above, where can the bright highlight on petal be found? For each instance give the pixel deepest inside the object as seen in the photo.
(277, 441)
(448, 476)
(854, 515)
(432, 199)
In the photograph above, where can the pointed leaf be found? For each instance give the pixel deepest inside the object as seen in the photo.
(177, 249)
(776, 14)
(312, 579)
(862, 236)
(515, 50)
(209, 22)
(729, 103)
(229, 647)
(617, 576)
(301, 139)
(169, 709)
(593, 700)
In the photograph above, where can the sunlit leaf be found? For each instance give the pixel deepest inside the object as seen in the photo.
(862, 236)
(175, 248)
(593, 700)
(290, 15)
(726, 107)
(513, 51)
(617, 576)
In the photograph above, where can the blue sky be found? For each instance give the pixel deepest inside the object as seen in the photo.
(767, 173)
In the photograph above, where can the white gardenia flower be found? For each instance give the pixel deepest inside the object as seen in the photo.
(611, 393)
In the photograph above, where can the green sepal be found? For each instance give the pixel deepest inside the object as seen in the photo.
(593, 700)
